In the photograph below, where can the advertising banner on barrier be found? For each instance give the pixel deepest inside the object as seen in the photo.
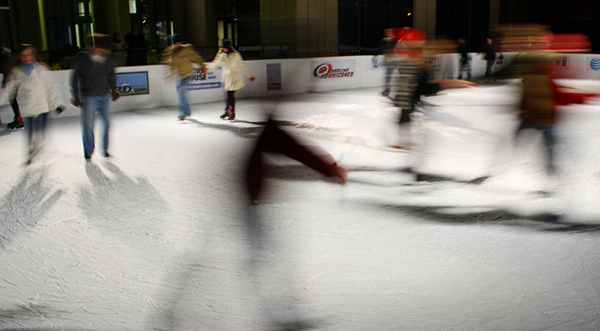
(210, 80)
(132, 83)
(332, 69)
(378, 62)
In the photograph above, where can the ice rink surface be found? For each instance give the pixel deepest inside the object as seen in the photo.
(158, 236)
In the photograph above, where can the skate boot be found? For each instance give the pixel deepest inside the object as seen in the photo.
(232, 116)
(16, 124)
(226, 114)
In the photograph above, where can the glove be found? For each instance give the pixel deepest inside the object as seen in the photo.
(115, 96)
(75, 101)
(252, 78)
(60, 109)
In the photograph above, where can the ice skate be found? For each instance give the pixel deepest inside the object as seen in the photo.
(226, 114)
(16, 124)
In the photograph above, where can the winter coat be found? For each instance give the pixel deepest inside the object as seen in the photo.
(37, 93)
(180, 60)
(93, 78)
(233, 64)
(489, 53)
(538, 101)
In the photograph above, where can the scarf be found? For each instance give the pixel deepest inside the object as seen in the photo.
(28, 68)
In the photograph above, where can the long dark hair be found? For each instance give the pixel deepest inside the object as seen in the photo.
(15, 60)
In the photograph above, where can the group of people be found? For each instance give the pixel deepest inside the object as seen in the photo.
(180, 57)
(93, 84)
(537, 107)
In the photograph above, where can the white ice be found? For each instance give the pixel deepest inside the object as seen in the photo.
(158, 237)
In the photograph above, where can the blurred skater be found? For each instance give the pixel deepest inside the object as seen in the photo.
(386, 48)
(274, 140)
(265, 252)
(38, 95)
(17, 122)
(537, 108)
(179, 57)
(489, 56)
(233, 77)
(465, 64)
(94, 77)
(413, 80)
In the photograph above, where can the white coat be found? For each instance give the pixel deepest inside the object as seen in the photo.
(233, 64)
(37, 93)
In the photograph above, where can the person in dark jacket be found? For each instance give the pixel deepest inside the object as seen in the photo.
(94, 78)
(489, 57)
(136, 47)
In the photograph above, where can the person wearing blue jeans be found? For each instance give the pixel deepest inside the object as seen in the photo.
(94, 78)
(92, 105)
(179, 59)
(184, 107)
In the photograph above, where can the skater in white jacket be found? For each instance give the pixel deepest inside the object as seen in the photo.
(37, 94)
(232, 77)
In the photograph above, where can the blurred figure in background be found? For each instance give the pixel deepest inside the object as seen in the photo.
(94, 77)
(489, 56)
(465, 65)
(117, 47)
(179, 57)
(136, 46)
(38, 94)
(233, 77)
(386, 48)
(17, 122)
(413, 79)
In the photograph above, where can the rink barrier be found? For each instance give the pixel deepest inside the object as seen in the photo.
(276, 77)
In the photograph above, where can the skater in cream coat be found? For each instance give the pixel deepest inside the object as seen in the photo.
(232, 77)
(38, 95)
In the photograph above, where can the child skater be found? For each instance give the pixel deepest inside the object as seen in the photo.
(233, 78)
(37, 94)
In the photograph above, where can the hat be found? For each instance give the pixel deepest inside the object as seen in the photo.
(411, 38)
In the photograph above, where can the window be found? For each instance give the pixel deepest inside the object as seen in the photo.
(132, 7)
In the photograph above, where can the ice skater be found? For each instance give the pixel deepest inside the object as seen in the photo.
(37, 94)
(17, 122)
(233, 77)
(386, 48)
(412, 79)
(94, 77)
(489, 56)
(278, 307)
(276, 141)
(464, 63)
(179, 57)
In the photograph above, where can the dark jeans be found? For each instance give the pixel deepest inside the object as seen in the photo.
(488, 67)
(35, 126)
(405, 116)
(231, 100)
